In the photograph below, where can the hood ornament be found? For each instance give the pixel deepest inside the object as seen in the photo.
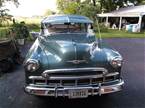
(77, 61)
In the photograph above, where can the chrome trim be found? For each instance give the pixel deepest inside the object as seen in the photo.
(116, 58)
(46, 85)
(92, 90)
(73, 77)
(75, 46)
(77, 61)
(75, 69)
(31, 61)
(36, 77)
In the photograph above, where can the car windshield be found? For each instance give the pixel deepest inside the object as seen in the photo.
(67, 27)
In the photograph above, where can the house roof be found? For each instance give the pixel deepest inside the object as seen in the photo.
(55, 19)
(133, 11)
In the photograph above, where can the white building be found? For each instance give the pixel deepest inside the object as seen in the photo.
(124, 16)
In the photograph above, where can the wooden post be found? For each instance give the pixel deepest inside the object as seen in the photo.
(120, 23)
(139, 23)
(106, 24)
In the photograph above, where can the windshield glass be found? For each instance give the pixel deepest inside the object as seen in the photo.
(67, 27)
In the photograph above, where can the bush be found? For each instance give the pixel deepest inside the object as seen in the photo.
(19, 30)
(102, 27)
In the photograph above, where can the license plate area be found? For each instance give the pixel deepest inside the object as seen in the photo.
(81, 93)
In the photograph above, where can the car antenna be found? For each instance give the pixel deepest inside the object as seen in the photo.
(99, 32)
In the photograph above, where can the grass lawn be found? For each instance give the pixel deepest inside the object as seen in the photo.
(3, 32)
(121, 34)
(34, 25)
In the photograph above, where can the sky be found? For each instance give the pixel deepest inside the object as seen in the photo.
(28, 8)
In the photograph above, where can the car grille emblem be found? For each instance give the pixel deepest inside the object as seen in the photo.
(77, 61)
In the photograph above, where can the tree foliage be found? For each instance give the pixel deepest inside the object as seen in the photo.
(109, 5)
(87, 7)
(4, 16)
(142, 2)
(68, 6)
(4, 1)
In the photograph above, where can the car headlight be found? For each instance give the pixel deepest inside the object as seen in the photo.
(32, 65)
(116, 62)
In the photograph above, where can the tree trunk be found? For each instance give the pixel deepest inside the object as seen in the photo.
(94, 2)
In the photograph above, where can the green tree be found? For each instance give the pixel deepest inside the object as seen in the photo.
(2, 2)
(87, 8)
(4, 16)
(74, 6)
(110, 5)
(68, 6)
(142, 2)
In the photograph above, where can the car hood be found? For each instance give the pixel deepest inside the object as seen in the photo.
(70, 51)
(67, 49)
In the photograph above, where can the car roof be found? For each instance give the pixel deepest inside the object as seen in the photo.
(56, 19)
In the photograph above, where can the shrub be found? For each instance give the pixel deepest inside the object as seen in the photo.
(19, 30)
(102, 27)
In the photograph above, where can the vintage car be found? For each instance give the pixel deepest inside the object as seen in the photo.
(68, 60)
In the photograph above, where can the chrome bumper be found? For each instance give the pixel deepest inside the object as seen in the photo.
(98, 89)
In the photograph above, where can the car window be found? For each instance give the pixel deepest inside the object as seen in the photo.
(67, 27)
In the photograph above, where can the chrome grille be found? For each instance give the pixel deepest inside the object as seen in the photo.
(73, 82)
(74, 78)
(76, 73)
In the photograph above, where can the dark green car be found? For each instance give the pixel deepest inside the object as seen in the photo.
(67, 60)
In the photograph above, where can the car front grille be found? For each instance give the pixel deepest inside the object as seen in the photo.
(79, 78)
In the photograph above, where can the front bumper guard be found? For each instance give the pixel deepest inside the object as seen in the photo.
(64, 91)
